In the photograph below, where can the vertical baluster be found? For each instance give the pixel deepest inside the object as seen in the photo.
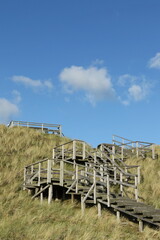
(108, 191)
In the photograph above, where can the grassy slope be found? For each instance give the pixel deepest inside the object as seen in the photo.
(21, 218)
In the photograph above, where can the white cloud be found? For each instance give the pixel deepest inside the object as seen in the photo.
(95, 82)
(137, 92)
(7, 110)
(155, 61)
(133, 88)
(28, 82)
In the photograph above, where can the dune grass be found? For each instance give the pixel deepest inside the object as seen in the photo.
(23, 218)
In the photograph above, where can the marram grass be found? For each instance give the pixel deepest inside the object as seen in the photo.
(24, 219)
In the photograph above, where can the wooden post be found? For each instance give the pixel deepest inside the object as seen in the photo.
(53, 156)
(153, 151)
(122, 154)
(32, 170)
(95, 157)
(115, 175)
(72, 198)
(132, 147)
(94, 181)
(118, 216)
(137, 150)
(99, 210)
(61, 172)
(139, 174)
(77, 178)
(101, 173)
(60, 131)
(84, 150)
(39, 174)
(49, 171)
(121, 186)
(101, 148)
(136, 188)
(108, 191)
(50, 193)
(74, 149)
(82, 206)
(41, 195)
(113, 153)
(141, 226)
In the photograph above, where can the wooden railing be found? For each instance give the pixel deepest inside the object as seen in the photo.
(138, 148)
(43, 127)
(97, 169)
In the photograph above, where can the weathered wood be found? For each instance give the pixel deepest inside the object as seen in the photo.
(99, 209)
(118, 216)
(42, 189)
(82, 206)
(50, 193)
(49, 171)
(141, 226)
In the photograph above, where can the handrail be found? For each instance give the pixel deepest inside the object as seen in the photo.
(33, 124)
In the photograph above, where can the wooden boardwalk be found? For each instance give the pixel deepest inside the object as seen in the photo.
(42, 127)
(94, 177)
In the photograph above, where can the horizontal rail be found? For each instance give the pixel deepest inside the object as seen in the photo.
(33, 124)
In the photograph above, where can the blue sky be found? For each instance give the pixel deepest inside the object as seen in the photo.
(92, 66)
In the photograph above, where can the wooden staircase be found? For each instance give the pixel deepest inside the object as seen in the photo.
(92, 176)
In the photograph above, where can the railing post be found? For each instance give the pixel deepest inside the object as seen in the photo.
(115, 175)
(74, 149)
(61, 172)
(49, 171)
(139, 174)
(82, 206)
(50, 193)
(122, 152)
(113, 152)
(108, 191)
(101, 148)
(95, 157)
(137, 150)
(94, 181)
(42, 127)
(60, 131)
(101, 173)
(84, 150)
(99, 209)
(77, 178)
(153, 151)
(41, 195)
(53, 156)
(121, 186)
(136, 188)
(32, 170)
(39, 174)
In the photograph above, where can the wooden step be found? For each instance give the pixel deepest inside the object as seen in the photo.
(89, 201)
(156, 218)
(149, 213)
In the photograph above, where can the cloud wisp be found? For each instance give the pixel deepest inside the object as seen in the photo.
(95, 82)
(135, 88)
(155, 61)
(7, 110)
(29, 82)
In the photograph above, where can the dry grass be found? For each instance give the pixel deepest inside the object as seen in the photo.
(21, 218)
